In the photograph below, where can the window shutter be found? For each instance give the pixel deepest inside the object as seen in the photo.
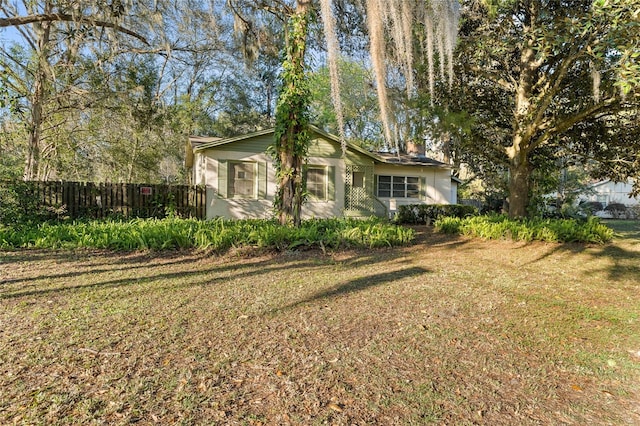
(423, 188)
(222, 178)
(331, 183)
(375, 185)
(262, 179)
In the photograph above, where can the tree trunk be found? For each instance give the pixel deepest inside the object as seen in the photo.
(291, 189)
(292, 121)
(518, 153)
(32, 162)
(519, 184)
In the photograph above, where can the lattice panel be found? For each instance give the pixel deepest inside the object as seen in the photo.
(359, 198)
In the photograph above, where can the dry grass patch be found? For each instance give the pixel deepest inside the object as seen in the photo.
(450, 331)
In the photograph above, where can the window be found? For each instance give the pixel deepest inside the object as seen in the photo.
(358, 179)
(398, 186)
(242, 180)
(317, 182)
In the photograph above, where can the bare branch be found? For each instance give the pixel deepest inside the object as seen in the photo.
(61, 17)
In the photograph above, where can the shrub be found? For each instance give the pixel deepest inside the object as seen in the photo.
(633, 212)
(591, 206)
(616, 210)
(19, 206)
(218, 234)
(426, 214)
(549, 230)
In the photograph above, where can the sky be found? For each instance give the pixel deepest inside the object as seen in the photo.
(9, 34)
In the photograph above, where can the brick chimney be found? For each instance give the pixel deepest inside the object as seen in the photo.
(415, 149)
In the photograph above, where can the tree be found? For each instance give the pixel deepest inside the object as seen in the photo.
(397, 19)
(37, 23)
(292, 120)
(361, 117)
(546, 78)
(68, 90)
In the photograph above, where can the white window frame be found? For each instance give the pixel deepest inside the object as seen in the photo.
(231, 179)
(324, 183)
(408, 186)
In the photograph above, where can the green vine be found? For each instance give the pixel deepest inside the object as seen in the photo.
(291, 143)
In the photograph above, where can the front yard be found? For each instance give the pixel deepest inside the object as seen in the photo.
(450, 330)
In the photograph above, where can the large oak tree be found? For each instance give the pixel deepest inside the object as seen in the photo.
(550, 77)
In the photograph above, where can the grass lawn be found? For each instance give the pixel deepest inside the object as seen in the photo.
(448, 331)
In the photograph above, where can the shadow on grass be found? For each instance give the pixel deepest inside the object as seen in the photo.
(256, 268)
(358, 284)
(122, 264)
(13, 288)
(624, 262)
(627, 230)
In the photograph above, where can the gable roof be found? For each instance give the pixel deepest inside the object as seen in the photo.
(200, 143)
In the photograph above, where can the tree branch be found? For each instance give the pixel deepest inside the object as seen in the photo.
(493, 77)
(565, 123)
(61, 17)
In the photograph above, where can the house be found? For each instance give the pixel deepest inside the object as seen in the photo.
(240, 180)
(608, 192)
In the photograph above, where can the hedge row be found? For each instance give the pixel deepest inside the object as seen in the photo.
(550, 230)
(217, 235)
(426, 214)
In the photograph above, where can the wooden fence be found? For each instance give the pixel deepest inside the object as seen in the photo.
(98, 200)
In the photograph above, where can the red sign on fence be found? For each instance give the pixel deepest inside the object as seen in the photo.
(145, 190)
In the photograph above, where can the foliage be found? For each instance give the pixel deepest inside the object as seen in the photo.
(359, 103)
(494, 227)
(429, 213)
(592, 206)
(115, 107)
(217, 235)
(616, 210)
(292, 124)
(18, 206)
(544, 81)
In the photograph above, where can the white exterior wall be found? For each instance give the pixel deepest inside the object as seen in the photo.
(610, 192)
(454, 192)
(438, 181)
(199, 166)
(242, 208)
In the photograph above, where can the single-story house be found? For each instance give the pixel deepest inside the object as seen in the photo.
(240, 179)
(608, 192)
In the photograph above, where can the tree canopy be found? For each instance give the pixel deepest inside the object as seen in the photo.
(549, 79)
(109, 90)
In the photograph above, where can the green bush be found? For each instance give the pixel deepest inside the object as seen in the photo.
(19, 205)
(425, 214)
(550, 230)
(616, 210)
(218, 234)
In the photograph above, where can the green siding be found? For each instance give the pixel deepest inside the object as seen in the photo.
(253, 145)
(321, 147)
(222, 178)
(356, 159)
(331, 183)
(262, 179)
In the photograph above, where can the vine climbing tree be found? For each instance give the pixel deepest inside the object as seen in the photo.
(292, 121)
(391, 26)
